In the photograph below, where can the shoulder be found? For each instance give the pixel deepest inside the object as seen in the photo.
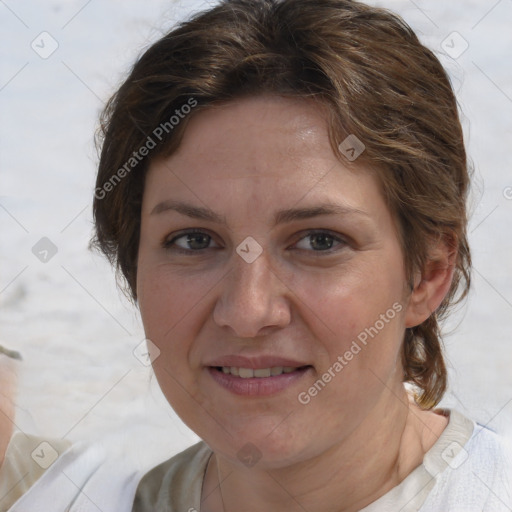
(471, 475)
(26, 459)
(176, 483)
(54, 474)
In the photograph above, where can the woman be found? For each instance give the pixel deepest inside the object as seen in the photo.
(282, 186)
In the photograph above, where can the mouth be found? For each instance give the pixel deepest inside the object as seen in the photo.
(257, 373)
(245, 381)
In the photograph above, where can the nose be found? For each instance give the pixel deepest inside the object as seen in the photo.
(253, 299)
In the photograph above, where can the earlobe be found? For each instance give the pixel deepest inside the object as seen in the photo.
(433, 284)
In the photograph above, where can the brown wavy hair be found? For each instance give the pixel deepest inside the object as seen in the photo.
(378, 83)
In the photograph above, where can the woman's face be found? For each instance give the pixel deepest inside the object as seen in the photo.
(271, 280)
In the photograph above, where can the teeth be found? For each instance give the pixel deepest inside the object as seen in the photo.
(264, 372)
(249, 373)
(246, 373)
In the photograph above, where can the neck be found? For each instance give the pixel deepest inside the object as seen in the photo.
(349, 476)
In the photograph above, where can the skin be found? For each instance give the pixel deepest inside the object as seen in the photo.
(361, 435)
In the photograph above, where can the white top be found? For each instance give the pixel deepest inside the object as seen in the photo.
(53, 476)
(465, 471)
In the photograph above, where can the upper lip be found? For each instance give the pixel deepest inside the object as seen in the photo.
(255, 362)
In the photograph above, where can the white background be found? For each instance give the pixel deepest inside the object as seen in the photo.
(78, 377)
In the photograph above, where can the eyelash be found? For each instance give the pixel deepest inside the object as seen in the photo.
(170, 244)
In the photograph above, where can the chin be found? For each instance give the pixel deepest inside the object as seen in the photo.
(263, 444)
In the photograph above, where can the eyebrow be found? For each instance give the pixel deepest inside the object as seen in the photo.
(280, 217)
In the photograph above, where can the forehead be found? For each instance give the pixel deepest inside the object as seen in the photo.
(259, 151)
(255, 129)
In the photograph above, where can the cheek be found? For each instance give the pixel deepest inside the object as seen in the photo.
(356, 316)
(343, 303)
(160, 309)
(167, 298)
(359, 326)
(169, 307)
(172, 308)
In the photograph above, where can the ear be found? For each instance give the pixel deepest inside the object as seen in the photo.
(433, 283)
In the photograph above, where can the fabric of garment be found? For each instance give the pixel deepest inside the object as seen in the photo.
(80, 478)
(465, 471)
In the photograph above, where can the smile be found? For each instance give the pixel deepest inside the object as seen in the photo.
(248, 373)
(256, 382)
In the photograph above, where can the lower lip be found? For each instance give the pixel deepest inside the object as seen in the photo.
(257, 386)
